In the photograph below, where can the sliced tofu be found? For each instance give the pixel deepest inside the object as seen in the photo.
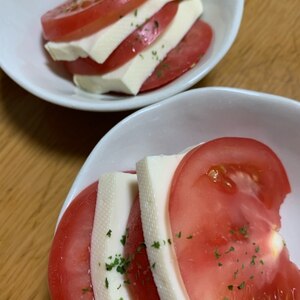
(116, 194)
(154, 179)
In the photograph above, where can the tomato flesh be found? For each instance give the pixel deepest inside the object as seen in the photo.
(182, 58)
(139, 272)
(73, 20)
(69, 260)
(142, 37)
(225, 199)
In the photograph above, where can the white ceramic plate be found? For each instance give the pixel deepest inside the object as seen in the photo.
(23, 58)
(200, 115)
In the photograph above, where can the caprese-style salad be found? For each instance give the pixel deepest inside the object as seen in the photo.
(126, 46)
(199, 225)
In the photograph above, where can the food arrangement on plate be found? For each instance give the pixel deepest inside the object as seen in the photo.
(199, 225)
(126, 46)
(49, 80)
(202, 224)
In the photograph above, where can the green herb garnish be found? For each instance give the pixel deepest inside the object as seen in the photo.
(85, 290)
(252, 262)
(178, 235)
(244, 231)
(230, 287)
(156, 245)
(230, 250)
(217, 254)
(140, 247)
(242, 285)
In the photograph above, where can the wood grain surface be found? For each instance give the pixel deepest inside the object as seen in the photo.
(43, 146)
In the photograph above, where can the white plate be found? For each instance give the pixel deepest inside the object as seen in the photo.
(23, 58)
(200, 115)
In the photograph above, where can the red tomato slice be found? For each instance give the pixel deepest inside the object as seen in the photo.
(69, 261)
(73, 19)
(225, 199)
(182, 58)
(142, 37)
(139, 273)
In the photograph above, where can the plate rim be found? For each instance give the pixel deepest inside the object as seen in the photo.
(74, 191)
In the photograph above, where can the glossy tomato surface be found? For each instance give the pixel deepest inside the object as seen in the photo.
(142, 286)
(142, 37)
(224, 214)
(69, 261)
(73, 20)
(183, 57)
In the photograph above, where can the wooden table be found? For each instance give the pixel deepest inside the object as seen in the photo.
(43, 146)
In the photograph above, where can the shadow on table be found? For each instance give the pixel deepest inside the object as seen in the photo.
(58, 128)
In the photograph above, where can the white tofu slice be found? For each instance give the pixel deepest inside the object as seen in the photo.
(154, 179)
(116, 194)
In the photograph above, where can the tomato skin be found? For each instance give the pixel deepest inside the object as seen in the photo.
(67, 22)
(142, 37)
(139, 273)
(289, 276)
(252, 153)
(69, 260)
(226, 196)
(182, 58)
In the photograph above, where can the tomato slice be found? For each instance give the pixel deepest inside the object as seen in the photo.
(224, 200)
(182, 58)
(142, 37)
(75, 19)
(69, 260)
(139, 273)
